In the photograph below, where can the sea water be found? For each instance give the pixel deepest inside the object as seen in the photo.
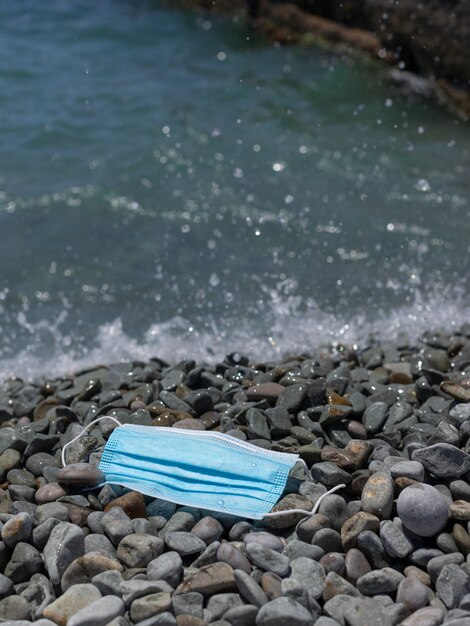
(171, 185)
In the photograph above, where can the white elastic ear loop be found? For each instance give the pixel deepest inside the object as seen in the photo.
(317, 503)
(98, 419)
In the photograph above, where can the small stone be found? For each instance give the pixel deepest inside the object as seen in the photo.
(167, 567)
(271, 585)
(267, 559)
(257, 425)
(329, 474)
(456, 391)
(49, 493)
(414, 572)
(37, 462)
(65, 544)
(116, 525)
(244, 615)
(6, 587)
(249, 588)
(427, 616)
(264, 391)
(268, 540)
(296, 548)
(355, 525)
(148, 606)
(332, 562)
(208, 529)
(443, 460)
(422, 509)
(190, 603)
(412, 593)
(292, 397)
(228, 553)
(184, 543)
(282, 611)
(132, 503)
(85, 567)
(72, 601)
(310, 574)
(383, 581)
(83, 474)
(374, 417)
(356, 564)
(307, 528)
(98, 613)
(408, 469)
(219, 604)
(394, 541)
(436, 564)
(452, 584)
(328, 540)
(17, 528)
(377, 495)
(139, 550)
(25, 561)
(210, 579)
(99, 543)
(14, 608)
(460, 510)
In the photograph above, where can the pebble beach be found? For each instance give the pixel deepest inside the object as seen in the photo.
(390, 421)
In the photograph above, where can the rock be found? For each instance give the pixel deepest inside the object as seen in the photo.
(383, 581)
(377, 495)
(329, 474)
(210, 579)
(296, 548)
(291, 501)
(282, 611)
(184, 543)
(249, 588)
(452, 584)
(460, 510)
(49, 493)
(394, 541)
(17, 529)
(374, 417)
(422, 509)
(335, 584)
(356, 564)
(14, 608)
(208, 529)
(25, 561)
(257, 425)
(139, 550)
(135, 588)
(264, 391)
(443, 460)
(192, 603)
(132, 503)
(65, 544)
(412, 593)
(148, 606)
(292, 397)
(6, 587)
(268, 540)
(99, 543)
(83, 474)
(167, 567)
(234, 557)
(408, 469)
(310, 575)
(84, 568)
(116, 524)
(267, 559)
(98, 613)
(356, 525)
(72, 601)
(219, 604)
(427, 616)
(436, 564)
(244, 615)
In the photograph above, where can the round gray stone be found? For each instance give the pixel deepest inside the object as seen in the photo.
(422, 509)
(282, 611)
(184, 543)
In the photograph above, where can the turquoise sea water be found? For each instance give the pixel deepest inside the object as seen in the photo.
(171, 185)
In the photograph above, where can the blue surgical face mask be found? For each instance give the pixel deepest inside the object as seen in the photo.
(202, 469)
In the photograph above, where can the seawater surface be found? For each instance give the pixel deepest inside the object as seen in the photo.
(172, 186)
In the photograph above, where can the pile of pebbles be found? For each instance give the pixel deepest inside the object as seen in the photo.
(390, 421)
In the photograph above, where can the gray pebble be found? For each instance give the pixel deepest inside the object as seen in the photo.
(249, 589)
(180, 521)
(220, 603)
(148, 606)
(378, 494)
(99, 543)
(94, 522)
(452, 584)
(135, 588)
(297, 548)
(208, 529)
(49, 493)
(427, 616)
(328, 540)
(52, 509)
(139, 550)
(6, 586)
(190, 603)
(408, 469)
(374, 417)
(37, 462)
(167, 567)
(42, 532)
(382, 581)
(163, 619)
(244, 615)
(267, 559)
(268, 540)
(228, 553)
(422, 509)
(116, 524)
(25, 561)
(394, 541)
(412, 593)
(184, 543)
(282, 611)
(66, 543)
(443, 460)
(98, 613)
(14, 608)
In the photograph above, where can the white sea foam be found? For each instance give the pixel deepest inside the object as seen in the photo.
(285, 328)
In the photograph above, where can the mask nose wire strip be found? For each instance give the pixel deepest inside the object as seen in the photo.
(304, 511)
(98, 419)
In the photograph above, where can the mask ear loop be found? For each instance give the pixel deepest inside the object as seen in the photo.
(317, 503)
(98, 419)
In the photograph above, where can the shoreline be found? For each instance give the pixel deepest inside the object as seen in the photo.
(389, 422)
(286, 23)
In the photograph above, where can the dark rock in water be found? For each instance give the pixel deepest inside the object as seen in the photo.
(422, 509)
